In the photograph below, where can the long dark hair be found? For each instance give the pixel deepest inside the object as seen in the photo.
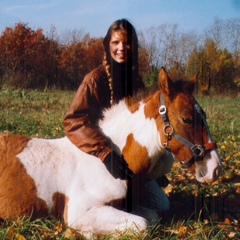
(127, 28)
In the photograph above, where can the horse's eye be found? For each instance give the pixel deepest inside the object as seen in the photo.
(187, 120)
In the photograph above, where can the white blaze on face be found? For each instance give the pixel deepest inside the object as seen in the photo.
(209, 169)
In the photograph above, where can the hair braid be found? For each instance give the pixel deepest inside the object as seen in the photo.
(107, 68)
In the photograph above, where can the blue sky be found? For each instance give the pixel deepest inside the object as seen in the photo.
(95, 16)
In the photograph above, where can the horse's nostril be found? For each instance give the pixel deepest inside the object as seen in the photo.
(216, 173)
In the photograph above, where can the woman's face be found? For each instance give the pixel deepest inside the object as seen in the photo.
(119, 47)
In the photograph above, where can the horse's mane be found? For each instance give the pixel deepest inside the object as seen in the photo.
(145, 92)
(182, 86)
(179, 86)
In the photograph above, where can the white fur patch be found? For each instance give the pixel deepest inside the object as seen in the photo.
(144, 130)
(58, 166)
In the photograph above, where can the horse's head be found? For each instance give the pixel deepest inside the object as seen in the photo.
(183, 128)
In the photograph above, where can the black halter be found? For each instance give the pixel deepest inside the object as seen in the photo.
(198, 151)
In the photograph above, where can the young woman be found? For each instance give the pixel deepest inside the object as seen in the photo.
(117, 77)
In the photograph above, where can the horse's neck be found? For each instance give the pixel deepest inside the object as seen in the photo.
(125, 127)
(114, 126)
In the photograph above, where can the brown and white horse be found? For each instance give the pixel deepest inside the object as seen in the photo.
(40, 177)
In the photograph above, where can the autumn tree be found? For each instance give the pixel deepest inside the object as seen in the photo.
(226, 36)
(53, 51)
(30, 59)
(94, 53)
(77, 59)
(24, 57)
(70, 64)
(216, 68)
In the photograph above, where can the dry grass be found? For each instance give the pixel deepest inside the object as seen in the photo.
(40, 114)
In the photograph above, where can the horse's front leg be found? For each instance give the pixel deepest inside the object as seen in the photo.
(103, 220)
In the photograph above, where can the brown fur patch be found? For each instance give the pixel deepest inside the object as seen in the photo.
(18, 193)
(151, 109)
(60, 202)
(136, 155)
(132, 106)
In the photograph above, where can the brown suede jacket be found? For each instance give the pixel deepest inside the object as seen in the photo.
(80, 123)
(92, 95)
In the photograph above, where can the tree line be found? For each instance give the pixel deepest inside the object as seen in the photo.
(31, 59)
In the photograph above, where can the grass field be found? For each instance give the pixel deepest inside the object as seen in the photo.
(40, 114)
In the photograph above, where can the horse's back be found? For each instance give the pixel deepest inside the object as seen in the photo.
(29, 173)
(38, 174)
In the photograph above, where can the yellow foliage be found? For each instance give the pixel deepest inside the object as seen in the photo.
(19, 237)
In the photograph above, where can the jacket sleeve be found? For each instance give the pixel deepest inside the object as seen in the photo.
(79, 126)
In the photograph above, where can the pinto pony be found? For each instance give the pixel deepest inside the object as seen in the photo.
(41, 177)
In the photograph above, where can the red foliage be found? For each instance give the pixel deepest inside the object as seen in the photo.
(24, 56)
(28, 59)
(78, 58)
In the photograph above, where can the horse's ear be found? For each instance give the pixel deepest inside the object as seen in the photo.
(195, 77)
(164, 82)
(192, 83)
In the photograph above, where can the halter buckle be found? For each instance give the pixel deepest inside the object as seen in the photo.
(162, 109)
(197, 150)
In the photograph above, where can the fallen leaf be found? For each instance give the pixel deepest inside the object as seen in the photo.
(238, 190)
(58, 228)
(69, 233)
(19, 237)
(227, 221)
(11, 232)
(168, 189)
(231, 234)
(183, 231)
